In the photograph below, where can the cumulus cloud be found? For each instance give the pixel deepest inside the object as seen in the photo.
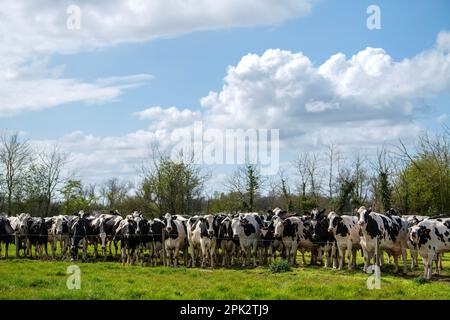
(358, 102)
(33, 31)
(366, 98)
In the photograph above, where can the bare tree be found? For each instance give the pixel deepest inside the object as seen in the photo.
(302, 166)
(247, 182)
(332, 156)
(51, 165)
(14, 156)
(114, 192)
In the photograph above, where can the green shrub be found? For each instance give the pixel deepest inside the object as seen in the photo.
(279, 266)
(421, 280)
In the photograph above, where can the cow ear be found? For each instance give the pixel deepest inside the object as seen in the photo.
(322, 211)
(369, 210)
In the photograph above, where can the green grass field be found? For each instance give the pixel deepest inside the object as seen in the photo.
(35, 279)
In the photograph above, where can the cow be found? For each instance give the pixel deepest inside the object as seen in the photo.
(126, 235)
(391, 233)
(156, 235)
(322, 239)
(431, 238)
(60, 232)
(413, 220)
(287, 230)
(268, 244)
(37, 236)
(20, 226)
(203, 231)
(142, 227)
(346, 232)
(226, 242)
(84, 229)
(193, 236)
(108, 224)
(6, 232)
(247, 230)
(175, 238)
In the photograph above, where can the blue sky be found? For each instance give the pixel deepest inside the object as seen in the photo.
(186, 66)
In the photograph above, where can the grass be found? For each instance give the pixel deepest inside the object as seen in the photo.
(37, 279)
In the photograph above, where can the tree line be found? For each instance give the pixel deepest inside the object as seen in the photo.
(411, 180)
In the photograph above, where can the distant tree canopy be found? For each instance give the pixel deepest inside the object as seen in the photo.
(412, 180)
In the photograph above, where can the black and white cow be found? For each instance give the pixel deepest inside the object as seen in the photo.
(322, 239)
(6, 232)
(84, 229)
(38, 236)
(193, 236)
(60, 233)
(126, 235)
(202, 232)
(346, 232)
(269, 245)
(142, 226)
(391, 232)
(108, 224)
(175, 238)
(20, 226)
(431, 238)
(247, 230)
(288, 231)
(226, 242)
(413, 220)
(157, 227)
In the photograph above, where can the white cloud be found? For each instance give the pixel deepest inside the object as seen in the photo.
(33, 31)
(173, 117)
(360, 102)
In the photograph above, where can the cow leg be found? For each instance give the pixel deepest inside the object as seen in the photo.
(85, 249)
(405, 267)
(123, 255)
(224, 254)
(55, 241)
(395, 263)
(175, 256)
(255, 253)
(212, 253)
(367, 257)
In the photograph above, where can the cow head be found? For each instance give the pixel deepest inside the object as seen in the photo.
(318, 223)
(278, 225)
(419, 234)
(141, 224)
(363, 215)
(236, 227)
(59, 224)
(169, 223)
(225, 230)
(333, 221)
(24, 223)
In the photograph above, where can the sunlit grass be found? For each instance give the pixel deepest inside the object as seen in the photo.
(37, 279)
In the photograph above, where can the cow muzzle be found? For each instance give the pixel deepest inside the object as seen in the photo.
(236, 237)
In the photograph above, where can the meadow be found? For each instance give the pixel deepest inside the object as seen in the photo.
(22, 278)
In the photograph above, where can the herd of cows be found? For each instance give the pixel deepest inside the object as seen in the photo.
(228, 240)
